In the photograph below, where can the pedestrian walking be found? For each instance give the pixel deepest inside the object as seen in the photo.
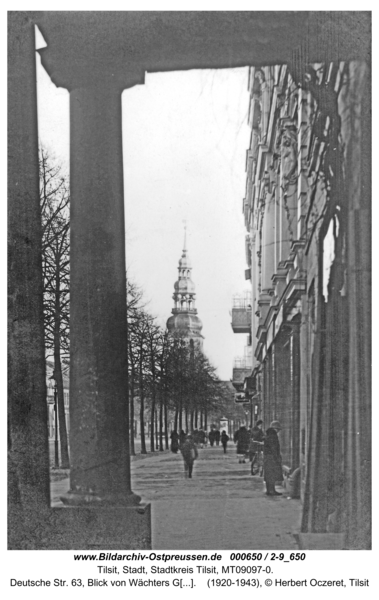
(211, 437)
(217, 437)
(224, 440)
(256, 446)
(174, 442)
(272, 459)
(190, 454)
(202, 438)
(182, 437)
(243, 443)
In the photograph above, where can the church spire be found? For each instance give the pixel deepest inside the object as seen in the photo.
(185, 237)
(185, 320)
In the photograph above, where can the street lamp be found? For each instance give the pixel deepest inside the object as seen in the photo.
(56, 450)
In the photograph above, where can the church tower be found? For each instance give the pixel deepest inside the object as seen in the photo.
(184, 320)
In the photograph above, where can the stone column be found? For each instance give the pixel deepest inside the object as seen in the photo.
(265, 396)
(276, 192)
(99, 428)
(268, 242)
(99, 420)
(254, 295)
(355, 113)
(288, 204)
(265, 103)
(282, 219)
(295, 392)
(272, 388)
(28, 474)
(302, 162)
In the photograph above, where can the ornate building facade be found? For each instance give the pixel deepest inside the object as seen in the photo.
(306, 212)
(184, 321)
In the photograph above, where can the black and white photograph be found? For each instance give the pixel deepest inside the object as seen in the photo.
(189, 284)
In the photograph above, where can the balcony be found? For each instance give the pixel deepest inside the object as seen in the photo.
(241, 314)
(242, 368)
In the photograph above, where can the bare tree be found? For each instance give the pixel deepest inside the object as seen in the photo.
(138, 336)
(54, 202)
(168, 375)
(153, 339)
(163, 388)
(133, 308)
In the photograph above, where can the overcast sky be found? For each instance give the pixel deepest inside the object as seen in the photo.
(185, 136)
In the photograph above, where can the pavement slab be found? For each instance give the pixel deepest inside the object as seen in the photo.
(221, 508)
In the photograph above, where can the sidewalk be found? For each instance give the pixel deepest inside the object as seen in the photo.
(222, 508)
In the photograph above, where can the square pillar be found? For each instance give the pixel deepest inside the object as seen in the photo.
(99, 427)
(28, 457)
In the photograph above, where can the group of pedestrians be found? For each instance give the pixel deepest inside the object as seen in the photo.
(249, 444)
(214, 437)
(252, 444)
(242, 439)
(200, 437)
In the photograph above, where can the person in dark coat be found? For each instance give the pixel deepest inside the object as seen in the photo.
(243, 443)
(174, 442)
(202, 438)
(190, 454)
(256, 445)
(211, 437)
(217, 437)
(272, 459)
(182, 437)
(224, 440)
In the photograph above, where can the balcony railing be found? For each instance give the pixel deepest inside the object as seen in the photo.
(241, 319)
(239, 376)
(242, 368)
(243, 362)
(242, 300)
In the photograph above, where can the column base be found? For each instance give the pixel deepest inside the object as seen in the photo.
(91, 499)
(321, 541)
(82, 528)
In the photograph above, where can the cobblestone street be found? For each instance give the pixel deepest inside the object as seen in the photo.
(222, 507)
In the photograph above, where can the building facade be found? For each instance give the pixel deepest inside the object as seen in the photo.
(307, 216)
